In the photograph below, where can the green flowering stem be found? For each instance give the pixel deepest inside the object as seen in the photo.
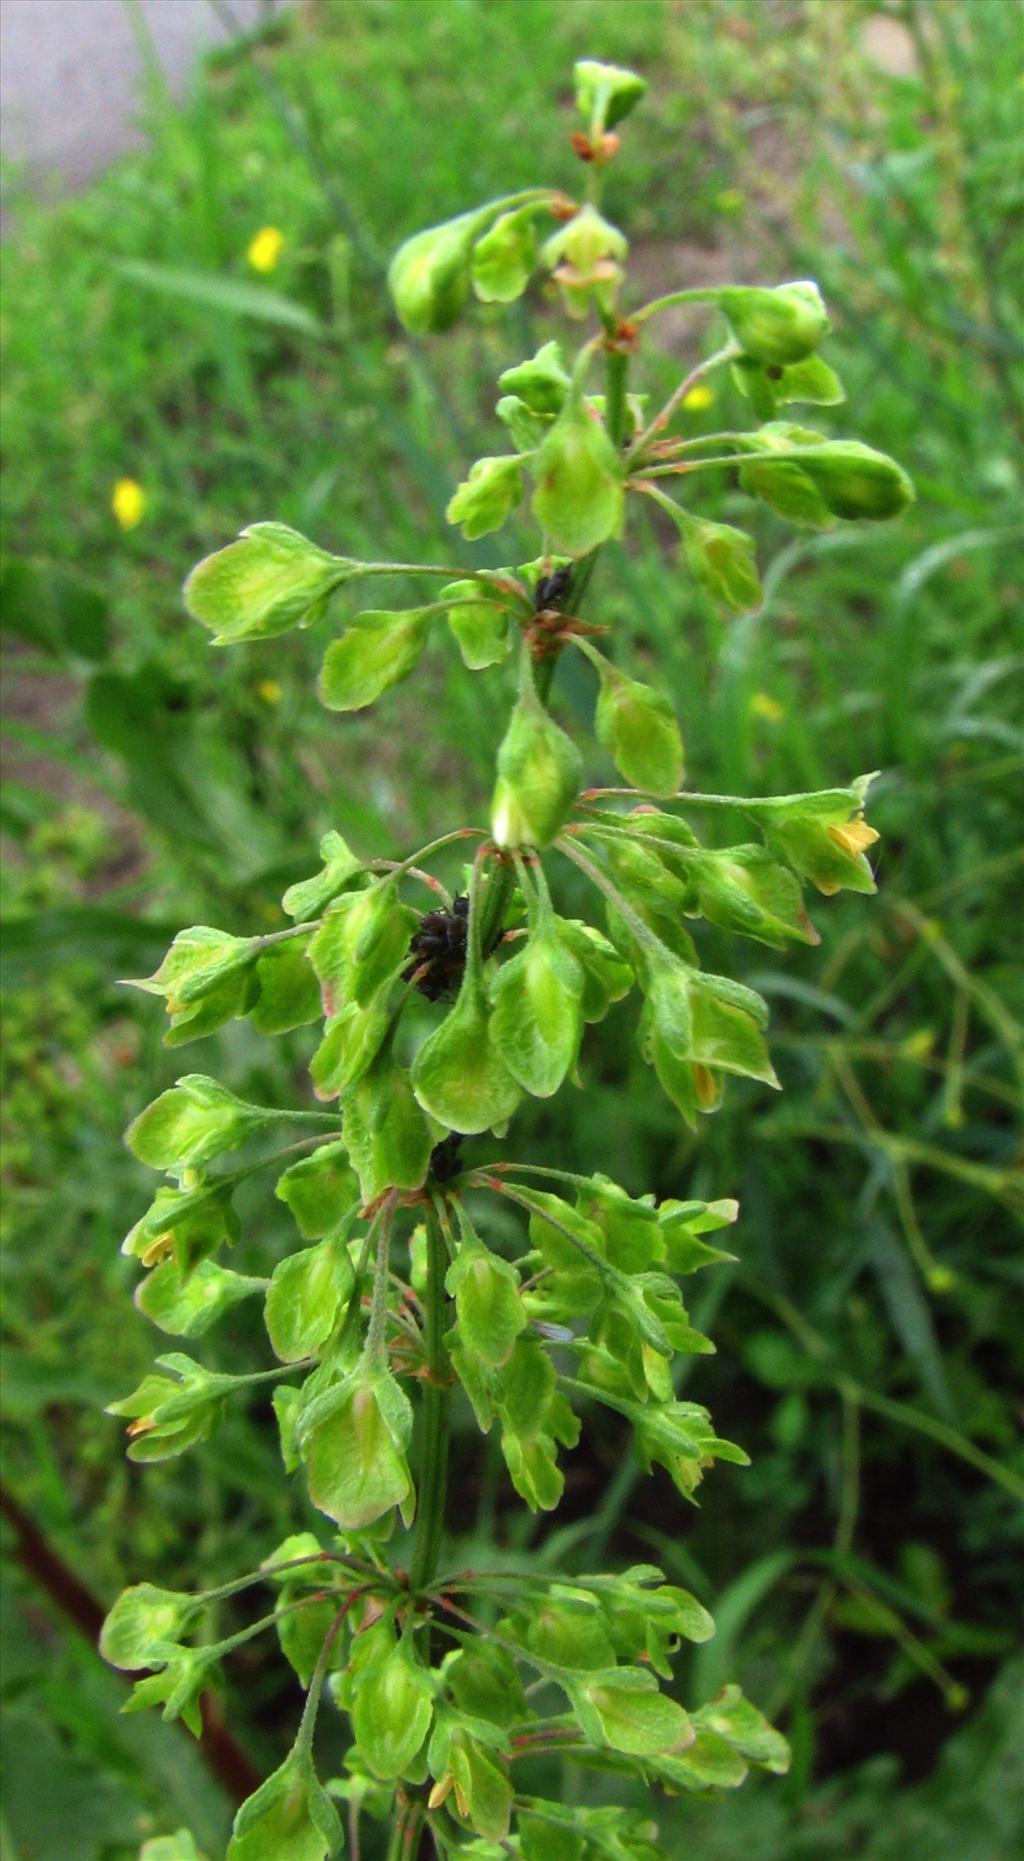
(269, 1571)
(641, 931)
(727, 353)
(375, 1351)
(434, 1413)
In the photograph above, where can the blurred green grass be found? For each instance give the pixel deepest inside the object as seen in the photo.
(866, 1568)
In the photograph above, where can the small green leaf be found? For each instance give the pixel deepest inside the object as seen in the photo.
(310, 897)
(479, 622)
(378, 651)
(197, 1120)
(458, 1075)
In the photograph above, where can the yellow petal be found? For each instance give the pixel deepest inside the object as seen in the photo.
(128, 503)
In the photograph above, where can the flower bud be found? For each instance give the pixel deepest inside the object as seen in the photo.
(584, 256)
(823, 837)
(487, 497)
(579, 499)
(429, 275)
(540, 773)
(638, 727)
(605, 93)
(776, 325)
(606, 977)
(503, 260)
(143, 1623)
(698, 1026)
(541, 382)
(268, 581)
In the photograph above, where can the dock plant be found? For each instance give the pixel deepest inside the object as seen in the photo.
(430, 1262)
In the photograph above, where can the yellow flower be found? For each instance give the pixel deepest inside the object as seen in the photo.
(128, 503)
(853, 836)
(699, 397)
(269, 690)
(265, 248)
(762, 704)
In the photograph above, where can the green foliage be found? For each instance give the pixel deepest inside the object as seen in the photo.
(818, 654)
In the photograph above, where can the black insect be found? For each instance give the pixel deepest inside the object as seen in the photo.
(437, 951)
(552, 590)
(446, 1158)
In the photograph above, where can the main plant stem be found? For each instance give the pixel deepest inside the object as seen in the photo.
(434, 1413)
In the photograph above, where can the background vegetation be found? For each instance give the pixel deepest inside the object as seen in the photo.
(866, 1570)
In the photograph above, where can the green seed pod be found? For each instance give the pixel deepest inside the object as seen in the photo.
(527, 429)
(722, 559)
(268, 581)
(744, 889)
(306, 1297)
(319, 1190)
(197, 1120)
(537, 1017)
(458, 1075)
(696, 1027)
(630, 1714)
(378, 650)
(638, 727)
(605, 94)
(479, 621)
(429, 275)
(503, 260)
(391, 1712)
(486, 1293)
(776, 325)
(486, 498)
(606, 977)
(540, 773)
(141, 1624)
(291, 1814)
(352, 1440)
(858, 483)
(579, 499)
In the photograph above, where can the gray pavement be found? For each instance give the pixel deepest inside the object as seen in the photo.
(70, 75)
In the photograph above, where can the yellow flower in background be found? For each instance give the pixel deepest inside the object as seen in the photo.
(269, 690)
(699, 397)
(128, 503)
(265, 248)
(762, 704)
